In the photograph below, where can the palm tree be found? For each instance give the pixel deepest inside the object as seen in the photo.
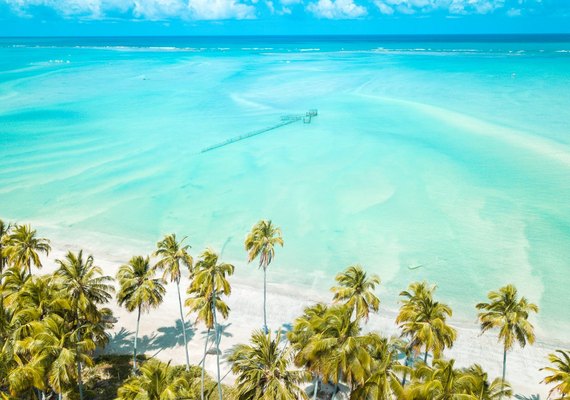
(478, 382)
(304, 328)
(85, 287)
(209, 284)
(261, 242)
(172, 254)
(440, 382)
(356, 290)
(510, 314)
(4, 236)
(382, 383)
(559, 374)
(263, 370)
(156, 381)
(24, 246)
(139, 290)
(54, 346)
(424, 321)
(337, 350)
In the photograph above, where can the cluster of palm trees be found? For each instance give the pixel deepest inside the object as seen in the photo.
(50, 326)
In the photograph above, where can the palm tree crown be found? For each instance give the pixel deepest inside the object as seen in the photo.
(510, 314)
(559, 374)
(139, 288)
(172, 255)
(23, 247)
(261, 242)
(424, 320)
(356, 290)
(263, 370)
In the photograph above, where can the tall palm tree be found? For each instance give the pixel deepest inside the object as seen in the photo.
(139, 290)
(559, 374)
(424, 320)
(263, 370)
(156, 381)
(477, 380)
(209, 284)
(24, 247)
(261, 242)
(173, 255)
(440, 382)
(510, 314)
(356, 290)
(85, 287)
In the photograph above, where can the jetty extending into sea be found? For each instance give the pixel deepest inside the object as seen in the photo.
(285, 120)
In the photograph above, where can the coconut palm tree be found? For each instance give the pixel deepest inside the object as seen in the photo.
(261, 242)
(304, 328)
(24, 247)
(440, 382)
(424, 320)
(173, 255)
(55, 348)
(85, 287)
(477, 380)
(263, 369)
(139, 290)
(209, 283)
(382, 382)
(356, 290)
(156, 381)
(338, 351)
(509, 314)
(559, 374)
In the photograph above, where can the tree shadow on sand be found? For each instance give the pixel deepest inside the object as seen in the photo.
(166, 337)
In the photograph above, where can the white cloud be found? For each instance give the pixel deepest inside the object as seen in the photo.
(336, 9)
(384, 8)
(148, 9)
(220, 9)
(457, 7)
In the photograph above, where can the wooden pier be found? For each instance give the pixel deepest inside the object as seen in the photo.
(285, 120)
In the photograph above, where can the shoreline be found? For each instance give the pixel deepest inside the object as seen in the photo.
(160, 330)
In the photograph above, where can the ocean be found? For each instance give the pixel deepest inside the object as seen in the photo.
(439, 158)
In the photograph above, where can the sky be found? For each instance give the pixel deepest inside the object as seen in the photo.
(280, 17)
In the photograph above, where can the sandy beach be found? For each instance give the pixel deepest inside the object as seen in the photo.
(161, 337)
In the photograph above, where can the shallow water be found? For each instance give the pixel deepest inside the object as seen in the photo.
(449, 155)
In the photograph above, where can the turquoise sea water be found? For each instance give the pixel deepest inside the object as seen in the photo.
(450, 153)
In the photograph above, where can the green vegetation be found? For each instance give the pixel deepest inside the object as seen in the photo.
(51, 326)
(260, 243)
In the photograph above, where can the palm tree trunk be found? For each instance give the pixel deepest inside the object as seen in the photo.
(135, 343)
(217, 328)
(183, 326)
(504, 370)
(204, 363)
(265, 301)
(426, 355)
(59, 396)
(316, 387)
(79, 377)
(405, 372)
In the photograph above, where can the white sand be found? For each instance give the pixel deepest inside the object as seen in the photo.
(159, 336)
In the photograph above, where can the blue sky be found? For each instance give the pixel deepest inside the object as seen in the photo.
(231, 17)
